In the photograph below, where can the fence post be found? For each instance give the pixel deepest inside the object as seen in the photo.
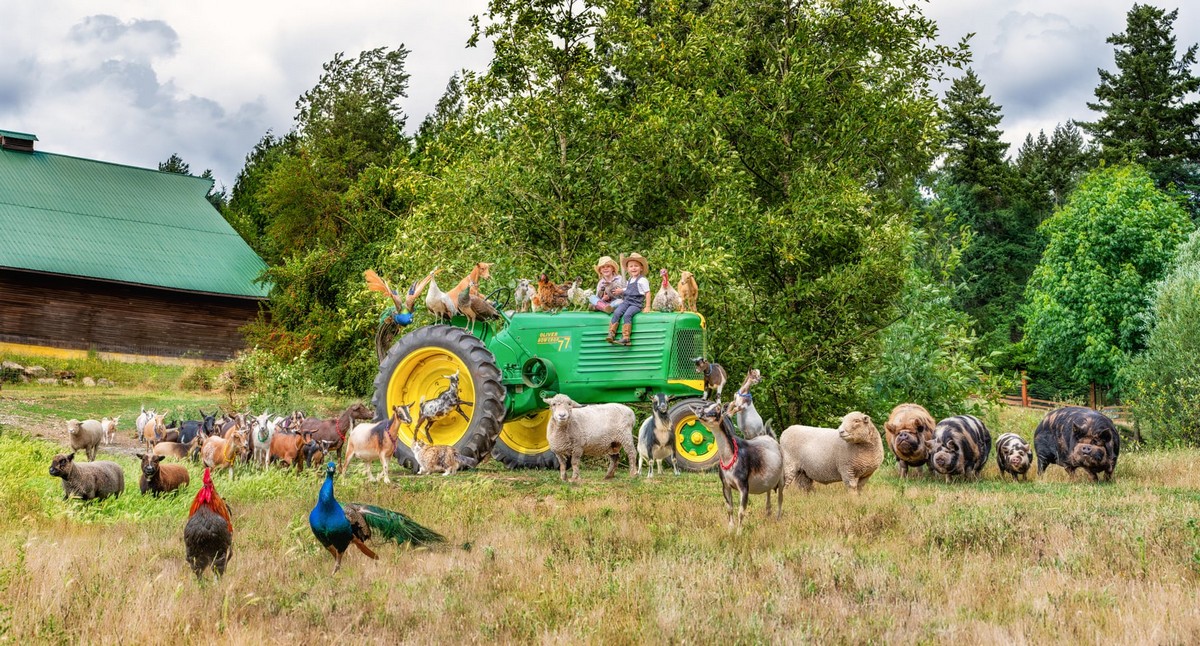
(1024, 390)
(1092, 395)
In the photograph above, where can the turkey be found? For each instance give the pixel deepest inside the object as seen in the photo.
(667, 299)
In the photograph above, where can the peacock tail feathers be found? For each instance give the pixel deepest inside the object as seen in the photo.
(397, 527)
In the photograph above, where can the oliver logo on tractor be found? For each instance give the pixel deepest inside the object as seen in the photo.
(506, 366)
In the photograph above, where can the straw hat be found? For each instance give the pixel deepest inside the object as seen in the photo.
(607, 260)
(637, 257)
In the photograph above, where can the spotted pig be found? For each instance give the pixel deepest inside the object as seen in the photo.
(960, 447)
(1013, 456)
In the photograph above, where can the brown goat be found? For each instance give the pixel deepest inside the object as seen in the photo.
(220, 453)
(288, 448)
(160, 478)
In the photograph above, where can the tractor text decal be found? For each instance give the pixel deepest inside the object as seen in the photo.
(552, 338)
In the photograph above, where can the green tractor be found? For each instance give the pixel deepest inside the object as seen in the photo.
(505, 367)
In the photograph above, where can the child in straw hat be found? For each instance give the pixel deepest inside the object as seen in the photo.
(633, 299)
(610, 280)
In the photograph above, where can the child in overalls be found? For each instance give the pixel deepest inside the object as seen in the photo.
(605, 298)
(633, 299)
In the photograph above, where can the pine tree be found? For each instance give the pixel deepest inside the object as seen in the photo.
(1146, 114)
(975, 159)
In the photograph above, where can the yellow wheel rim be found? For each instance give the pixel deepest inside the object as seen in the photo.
(425, 373)
(528, 434)
(693, 441)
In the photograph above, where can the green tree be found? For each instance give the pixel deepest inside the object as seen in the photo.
(1163, 382)
(975, 150)
(1148, 113)
(1085, 302)
(175, 164)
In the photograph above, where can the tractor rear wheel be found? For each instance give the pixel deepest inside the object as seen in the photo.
(695, 446)
(522, 443)
(419, 366)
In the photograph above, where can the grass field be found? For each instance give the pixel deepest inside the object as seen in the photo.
(628, 560)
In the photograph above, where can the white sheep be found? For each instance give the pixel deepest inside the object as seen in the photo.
(574, 431)
(850, 453)
(85, 435)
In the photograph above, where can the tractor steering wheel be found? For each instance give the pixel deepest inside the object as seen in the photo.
(501, 292)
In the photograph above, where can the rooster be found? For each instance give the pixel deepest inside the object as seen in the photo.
(667, 299)
(404, 308)
(337, 526)
(550, 295)
(208, 535)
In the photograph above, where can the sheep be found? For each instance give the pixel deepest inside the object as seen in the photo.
(110, 428)
(161, 478)
(849, 453)
(85, 436)
(574, 430)
(94, 480)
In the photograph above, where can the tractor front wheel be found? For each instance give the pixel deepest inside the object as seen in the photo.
(419, 367)
(695, 446)
(522, 443)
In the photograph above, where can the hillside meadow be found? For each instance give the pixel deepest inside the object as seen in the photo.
(628, 560)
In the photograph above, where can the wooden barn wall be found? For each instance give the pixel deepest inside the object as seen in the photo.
(82, 314)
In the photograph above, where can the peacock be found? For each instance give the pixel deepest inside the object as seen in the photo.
(336, 526)
(404, 308)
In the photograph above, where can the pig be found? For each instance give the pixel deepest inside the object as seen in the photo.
(960, 447)
(1013, 456)
(1075, 437)
(909, 430)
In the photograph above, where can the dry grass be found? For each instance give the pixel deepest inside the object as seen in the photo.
(621, 561)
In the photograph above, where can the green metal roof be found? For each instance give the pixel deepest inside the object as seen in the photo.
(79, 217)
(17, 135)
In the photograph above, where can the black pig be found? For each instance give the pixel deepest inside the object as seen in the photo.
(1077, 438)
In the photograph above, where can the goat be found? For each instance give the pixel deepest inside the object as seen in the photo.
(85, 435)
(152, 431)
(749, 466)
(574, 431)
(741, 408)
(142, 419)
(264, 428)
(439, 407)
(656, 441)
(160, 478)
(376, 441)
(714, 378)
(334, 430)
(287, 448)
(688, 291)
(221, 453)
(109, 426)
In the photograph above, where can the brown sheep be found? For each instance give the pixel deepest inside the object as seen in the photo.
(160, 478)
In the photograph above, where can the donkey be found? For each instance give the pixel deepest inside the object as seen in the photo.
(376, 441)
(439, 407)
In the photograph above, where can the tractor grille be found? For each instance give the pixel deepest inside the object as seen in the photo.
(689, 344)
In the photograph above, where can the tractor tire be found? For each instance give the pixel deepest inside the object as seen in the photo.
(695, 447)
(522, 444)
(418, 366)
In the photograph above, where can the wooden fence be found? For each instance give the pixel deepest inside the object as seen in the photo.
(1121, 415)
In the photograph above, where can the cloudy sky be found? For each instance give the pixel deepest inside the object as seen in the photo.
(132, 81)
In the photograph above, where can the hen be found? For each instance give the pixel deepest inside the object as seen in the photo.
(667, 299)
(475, 307)
(438, 302)
(550, 295)
(208, 535)
(337, 527)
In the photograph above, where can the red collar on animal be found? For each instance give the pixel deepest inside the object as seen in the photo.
(733, 441)
(337, 426)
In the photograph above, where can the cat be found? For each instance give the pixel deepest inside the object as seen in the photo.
(432, 458)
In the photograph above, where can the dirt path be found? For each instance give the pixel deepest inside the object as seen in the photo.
(55, 430)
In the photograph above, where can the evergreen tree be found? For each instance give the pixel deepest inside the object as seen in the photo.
(1148, 111)
(175, 164)
(975, 155)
